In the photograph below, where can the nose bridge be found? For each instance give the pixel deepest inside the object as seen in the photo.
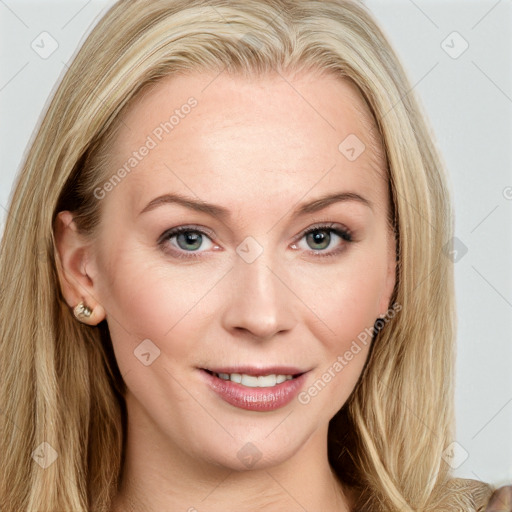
(261, 302)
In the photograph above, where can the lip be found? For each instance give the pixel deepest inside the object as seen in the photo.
(254, 370)
(256, 399)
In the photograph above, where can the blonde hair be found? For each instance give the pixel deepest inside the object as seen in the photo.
(61, 384)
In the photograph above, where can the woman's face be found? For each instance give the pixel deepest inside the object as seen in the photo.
(244, 169)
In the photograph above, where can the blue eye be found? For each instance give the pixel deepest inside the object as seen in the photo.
(324, 240)
(186, 239)
(189, 240)
(321, 239)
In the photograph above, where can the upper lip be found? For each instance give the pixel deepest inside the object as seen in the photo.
(254, 370)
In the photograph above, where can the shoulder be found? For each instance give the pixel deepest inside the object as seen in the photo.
(478, 492)
(457, 494)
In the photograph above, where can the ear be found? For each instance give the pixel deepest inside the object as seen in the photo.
(73, 253)
(389, 286)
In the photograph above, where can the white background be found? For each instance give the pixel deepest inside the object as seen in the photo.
(468, 100)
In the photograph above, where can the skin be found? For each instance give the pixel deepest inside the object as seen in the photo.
(501, 500)
(257, 147)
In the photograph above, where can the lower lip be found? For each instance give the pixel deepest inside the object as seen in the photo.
(255, 399)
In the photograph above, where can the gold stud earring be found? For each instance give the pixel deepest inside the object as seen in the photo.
(82, 312)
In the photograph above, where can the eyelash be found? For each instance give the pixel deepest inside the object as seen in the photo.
(343, 233)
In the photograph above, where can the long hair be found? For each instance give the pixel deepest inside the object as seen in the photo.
(61, 400)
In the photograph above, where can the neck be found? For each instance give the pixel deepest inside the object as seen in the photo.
(156, 479)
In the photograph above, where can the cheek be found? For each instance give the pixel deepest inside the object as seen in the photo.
(147, 299)
(344, 297)
(343, 305)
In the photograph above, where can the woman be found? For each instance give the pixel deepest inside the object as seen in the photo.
(225, 249)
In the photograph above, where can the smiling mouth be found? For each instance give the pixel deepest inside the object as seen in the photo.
(255, 388)
(255, 381)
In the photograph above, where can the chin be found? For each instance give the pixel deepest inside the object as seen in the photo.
(255, 449)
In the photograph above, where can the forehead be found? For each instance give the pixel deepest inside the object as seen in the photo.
(220, 133)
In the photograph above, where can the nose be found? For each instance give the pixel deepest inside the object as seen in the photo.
(261, 303)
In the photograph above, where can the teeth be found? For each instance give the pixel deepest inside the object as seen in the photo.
(252, 381)
(267, 381)
(235, 377)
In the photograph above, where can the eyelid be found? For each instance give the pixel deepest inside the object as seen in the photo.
(344, 233)
(186, 227)
(327, 226)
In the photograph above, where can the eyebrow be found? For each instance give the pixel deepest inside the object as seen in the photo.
(223, 213)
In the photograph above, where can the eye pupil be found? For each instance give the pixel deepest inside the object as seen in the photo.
(320, 238)
(189, 240)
